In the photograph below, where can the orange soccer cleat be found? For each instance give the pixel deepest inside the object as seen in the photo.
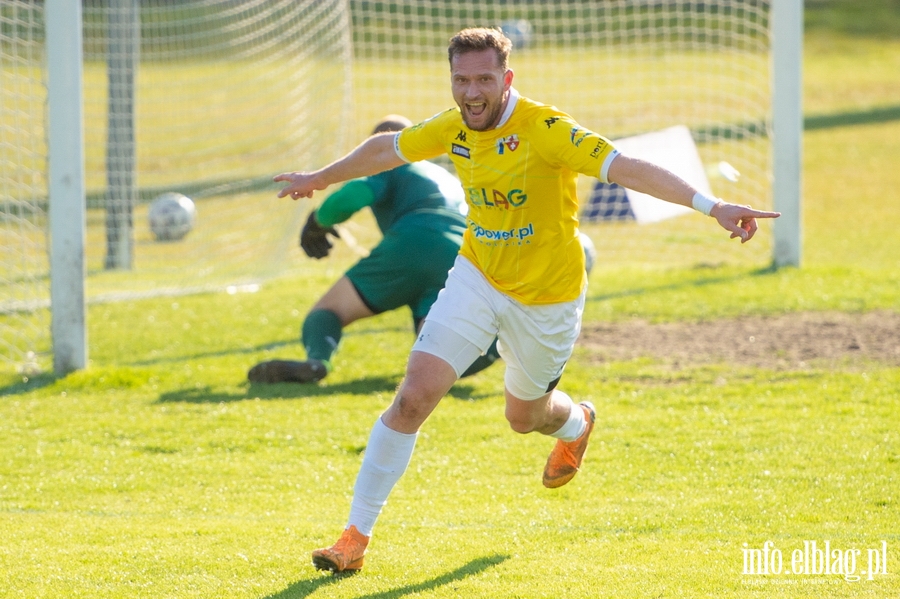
(345, 556)
(565, 459)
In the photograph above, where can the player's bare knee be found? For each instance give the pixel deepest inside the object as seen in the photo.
(415, 400)
(409, 408)
(523, 428)
(521, 423)
(526, 416)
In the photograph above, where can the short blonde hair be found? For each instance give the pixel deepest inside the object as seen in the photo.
(480, 38)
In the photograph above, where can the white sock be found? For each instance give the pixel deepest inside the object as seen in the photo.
(386, 458)
(575, 425)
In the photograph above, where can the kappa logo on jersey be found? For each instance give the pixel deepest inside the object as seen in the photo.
(461, 151)
(577, 135)
(550, 121)
(511, 142)
(461, 136)
(479, 196)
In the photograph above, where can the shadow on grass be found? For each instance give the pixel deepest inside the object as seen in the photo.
(280, 391)
(24, 384)
(305, 588)
(295, 349)
(868, 116)
(275, 391)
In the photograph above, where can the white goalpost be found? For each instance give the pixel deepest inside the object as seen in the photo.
(787, 130)
(66, 186)
(210, 98)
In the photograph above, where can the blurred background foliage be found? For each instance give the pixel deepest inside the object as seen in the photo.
(869, 18)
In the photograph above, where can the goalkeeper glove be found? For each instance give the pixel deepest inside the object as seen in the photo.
(314, 237)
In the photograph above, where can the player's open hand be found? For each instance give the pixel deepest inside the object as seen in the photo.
(740, 220)
(299, 185)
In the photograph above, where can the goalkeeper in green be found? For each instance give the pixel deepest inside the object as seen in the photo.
(419, 209)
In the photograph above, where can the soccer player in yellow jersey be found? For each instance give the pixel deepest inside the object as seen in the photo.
(520, 272)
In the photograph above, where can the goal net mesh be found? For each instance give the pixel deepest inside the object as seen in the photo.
(210, 98)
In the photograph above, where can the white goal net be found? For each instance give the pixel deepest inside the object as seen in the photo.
(204, 98)
(24, 283)
(210, 98)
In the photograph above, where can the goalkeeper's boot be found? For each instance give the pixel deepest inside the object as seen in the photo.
(344, 557)
(565, 459)
(288, 371)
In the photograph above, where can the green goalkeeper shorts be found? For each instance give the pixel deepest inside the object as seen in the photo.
(409, 266)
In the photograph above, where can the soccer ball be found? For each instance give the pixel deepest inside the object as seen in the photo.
(518, 31)
(171, 216)
(590, 252)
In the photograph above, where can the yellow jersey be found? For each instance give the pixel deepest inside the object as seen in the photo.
(519, 179)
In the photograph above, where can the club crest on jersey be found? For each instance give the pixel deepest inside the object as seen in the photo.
(577, 135)
(511, 142)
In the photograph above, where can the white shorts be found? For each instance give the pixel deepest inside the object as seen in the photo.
(535, 341)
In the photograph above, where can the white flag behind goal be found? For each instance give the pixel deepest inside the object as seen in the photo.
(673, 149)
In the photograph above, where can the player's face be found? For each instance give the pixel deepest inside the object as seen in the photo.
(480, 88)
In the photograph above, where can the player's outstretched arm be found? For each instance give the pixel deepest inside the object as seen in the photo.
(372, 156)
(651, 179)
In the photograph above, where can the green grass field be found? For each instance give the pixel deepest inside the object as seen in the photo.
(160, 472)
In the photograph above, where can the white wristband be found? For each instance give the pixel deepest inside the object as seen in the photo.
(702, 203)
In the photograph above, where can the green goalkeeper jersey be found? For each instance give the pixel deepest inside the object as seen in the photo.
(422, 193)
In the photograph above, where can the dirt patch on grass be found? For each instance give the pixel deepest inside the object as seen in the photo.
(790, 341)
